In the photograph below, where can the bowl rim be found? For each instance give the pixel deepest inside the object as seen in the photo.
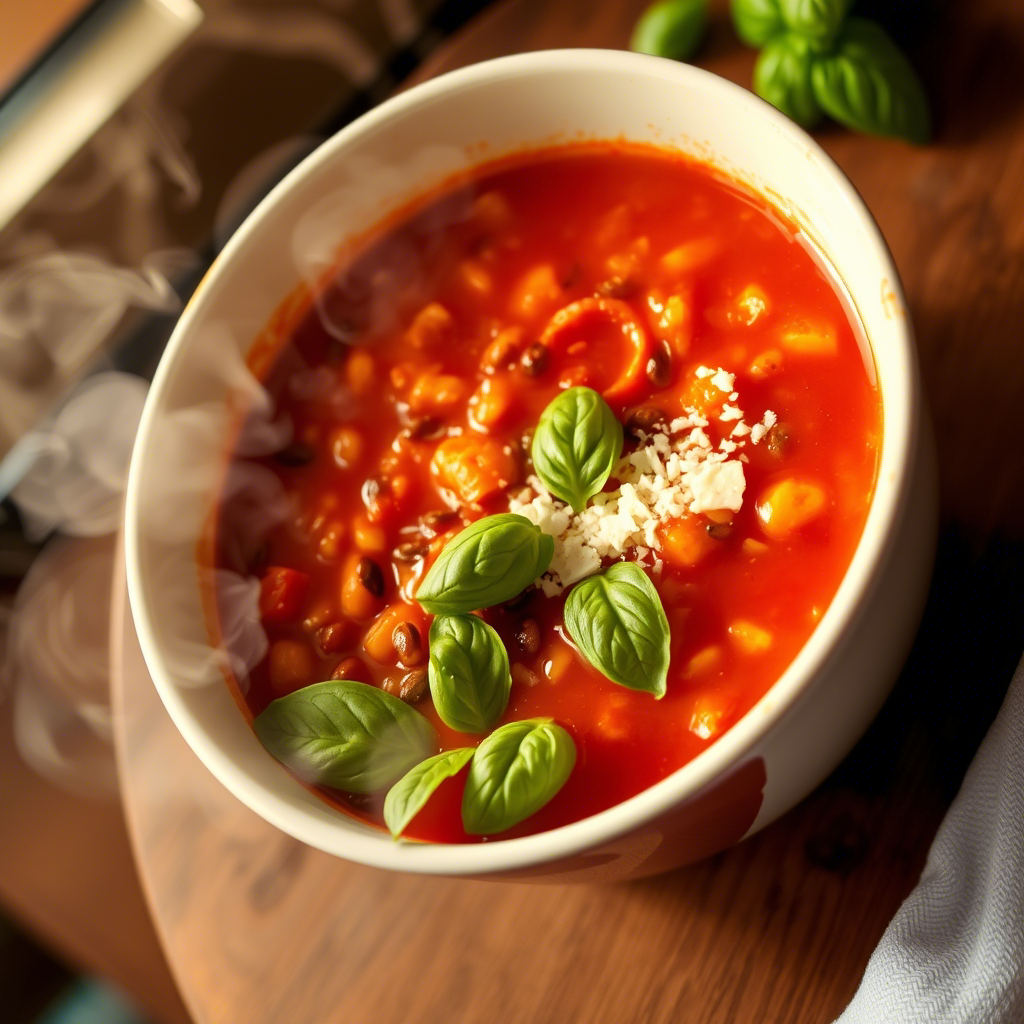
(899, 437)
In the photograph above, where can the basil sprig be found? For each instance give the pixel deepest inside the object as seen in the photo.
(515, 772)
(816, 60)
(407, 797)
(490, 561)
(757, 21)
(576, 445)
(782, 76)
(867, 84)
(468, 673)
(617, 621)
(671, 28)
(345, 735)
(816, 20)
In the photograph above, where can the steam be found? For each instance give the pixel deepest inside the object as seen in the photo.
(139, 149)
(296, 32)
(66, 304)
(77, 479)
(368, 295)
(191, 447)
(57, 665)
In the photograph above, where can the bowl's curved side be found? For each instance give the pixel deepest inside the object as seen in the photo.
(372, 167)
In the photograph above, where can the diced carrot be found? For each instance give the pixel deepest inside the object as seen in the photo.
(691, 256)
(556, 659)
(745, 309)
(368, 537)
(790, 505)
(523, 676)
(331, 539)
(474, 467)
(705, 661)
(360, 370)
(290, 666)
(671, 320)
(491, 211)
(282, 593)
(685, 541)
(536, 292)
(749, 638)
(766, 363)
(810, 339)
(475, 277)
(625, 264)
(613, 722)
(710, 713)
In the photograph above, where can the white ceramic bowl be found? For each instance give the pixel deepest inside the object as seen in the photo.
(815, 712)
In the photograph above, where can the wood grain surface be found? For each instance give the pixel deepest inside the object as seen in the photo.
(67, 876)
(261, 930)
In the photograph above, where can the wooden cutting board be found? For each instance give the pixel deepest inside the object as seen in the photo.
(262, 930)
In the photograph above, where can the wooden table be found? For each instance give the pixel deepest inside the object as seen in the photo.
(261, 929)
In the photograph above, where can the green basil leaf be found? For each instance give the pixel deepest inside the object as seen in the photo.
(674, 28)
(867, 84)
(576, 445)
(515, 772)
(346, 735)
(818, 21)
(757, 21)
(782, 76)
(407, 796)
(490, 561)
(617, 621)
(468, 673)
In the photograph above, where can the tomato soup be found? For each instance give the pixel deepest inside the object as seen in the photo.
(577, 454)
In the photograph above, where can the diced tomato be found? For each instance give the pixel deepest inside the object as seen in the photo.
(474, 467)
(282, 594)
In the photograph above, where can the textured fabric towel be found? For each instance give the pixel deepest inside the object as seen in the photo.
(954, 952)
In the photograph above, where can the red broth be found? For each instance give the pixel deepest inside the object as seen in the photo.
(431, 336)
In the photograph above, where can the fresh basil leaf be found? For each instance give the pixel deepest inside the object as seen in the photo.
(468, 672)
(617, 621)
(490, 561)
(818, 21)
(782, 76)
(515, 772)
(757, 21)
(576, 445)
(674, 28)
(867, 84)
(345, 735)
(407, 796)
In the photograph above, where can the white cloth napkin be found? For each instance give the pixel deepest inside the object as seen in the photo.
(954, 952)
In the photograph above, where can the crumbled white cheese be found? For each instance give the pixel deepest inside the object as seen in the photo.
(723, 381)
(717, 485)
(674, 471)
